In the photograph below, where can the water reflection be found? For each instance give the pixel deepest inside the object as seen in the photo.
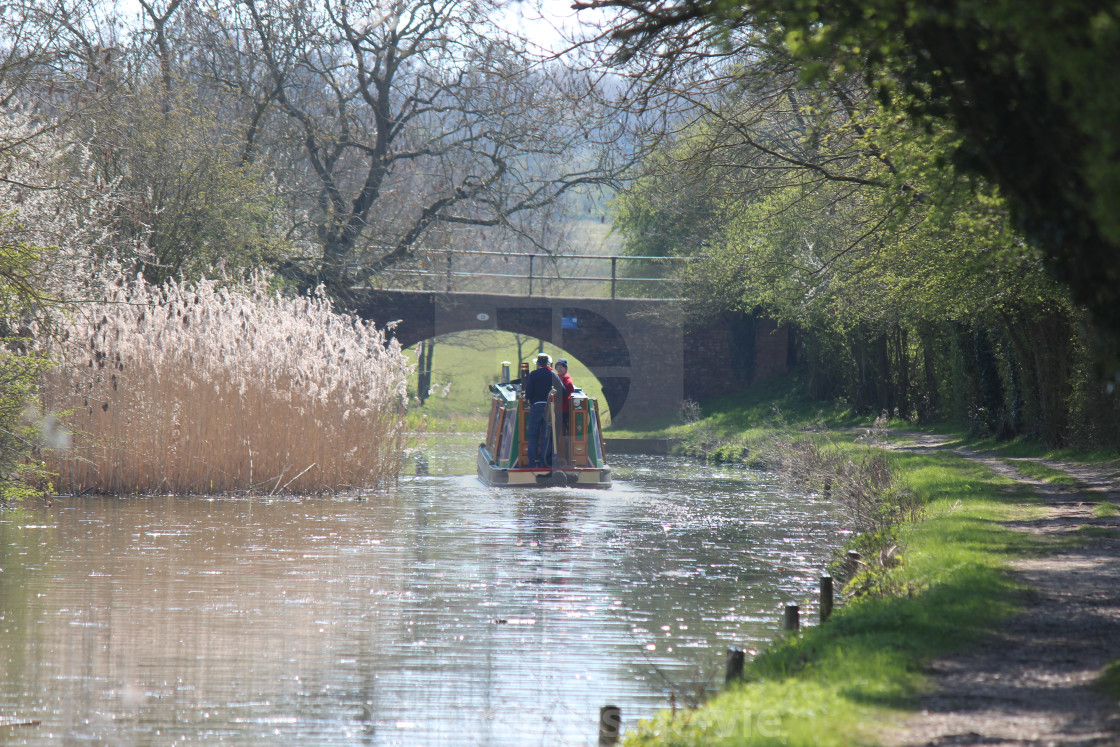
(443, 613)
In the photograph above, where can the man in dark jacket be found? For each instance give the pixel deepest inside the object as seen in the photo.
(537, 386)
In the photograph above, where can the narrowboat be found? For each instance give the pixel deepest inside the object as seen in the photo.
(503, 458)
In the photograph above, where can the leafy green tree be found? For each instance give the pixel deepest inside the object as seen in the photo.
(1028, 88)
(832, 214)
(666, 212)
(42, 220)
(20, 432)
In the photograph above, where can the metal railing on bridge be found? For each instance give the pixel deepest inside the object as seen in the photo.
(478, 270)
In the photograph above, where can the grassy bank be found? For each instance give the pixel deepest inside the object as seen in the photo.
(747, 415)
(730, 428)
(827, 685)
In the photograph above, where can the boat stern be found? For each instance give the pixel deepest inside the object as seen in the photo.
(524, 477)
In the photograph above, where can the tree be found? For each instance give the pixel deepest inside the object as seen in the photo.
(188, 203)
(1027, 88)
(665, 212)
(831, 213)
(52, 216)
(386, 119)
(35, 212)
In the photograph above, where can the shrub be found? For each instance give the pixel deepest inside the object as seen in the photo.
(198, 388)
(19, 434)
(53, 209)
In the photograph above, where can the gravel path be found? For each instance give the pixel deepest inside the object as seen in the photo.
(1030, 684)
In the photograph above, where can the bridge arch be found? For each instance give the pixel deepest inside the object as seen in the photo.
(585, 334)
(599, 332)
(465, 363)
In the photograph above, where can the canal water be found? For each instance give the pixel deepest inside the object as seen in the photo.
(440, 613)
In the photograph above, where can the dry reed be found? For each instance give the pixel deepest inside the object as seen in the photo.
(201, 388)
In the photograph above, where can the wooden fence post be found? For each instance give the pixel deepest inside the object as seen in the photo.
(826, 597)
(792, 622)
(735, 659)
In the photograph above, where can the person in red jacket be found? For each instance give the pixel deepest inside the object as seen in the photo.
(569, 387)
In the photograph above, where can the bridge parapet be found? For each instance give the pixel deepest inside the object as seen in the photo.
(586, 275)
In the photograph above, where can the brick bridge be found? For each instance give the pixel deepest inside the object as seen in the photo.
(645, 354)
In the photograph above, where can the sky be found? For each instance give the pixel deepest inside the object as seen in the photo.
(546, 23)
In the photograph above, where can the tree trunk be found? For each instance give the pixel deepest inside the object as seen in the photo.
(1051, 350)
(929, 369)
(864, 388)
(902, 362)
(424, 379)
(988, 407)
(1042, 341)
(886, 398)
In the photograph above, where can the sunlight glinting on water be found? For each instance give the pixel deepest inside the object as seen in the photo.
(441, 613)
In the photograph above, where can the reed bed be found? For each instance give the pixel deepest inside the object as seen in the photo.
(200, 388)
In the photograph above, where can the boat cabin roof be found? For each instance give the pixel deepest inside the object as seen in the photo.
(509, 392)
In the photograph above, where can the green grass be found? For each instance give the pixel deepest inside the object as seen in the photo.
(1088, 532)
(740, 428)
(1109, 680)
(1106, 510)
(827, 685)
(959, 436)
(747, 419)
(1020, 448)
(1037, 471)
(764, 407)
(463, 367)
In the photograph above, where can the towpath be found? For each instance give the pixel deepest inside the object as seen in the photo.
(1031, 684)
